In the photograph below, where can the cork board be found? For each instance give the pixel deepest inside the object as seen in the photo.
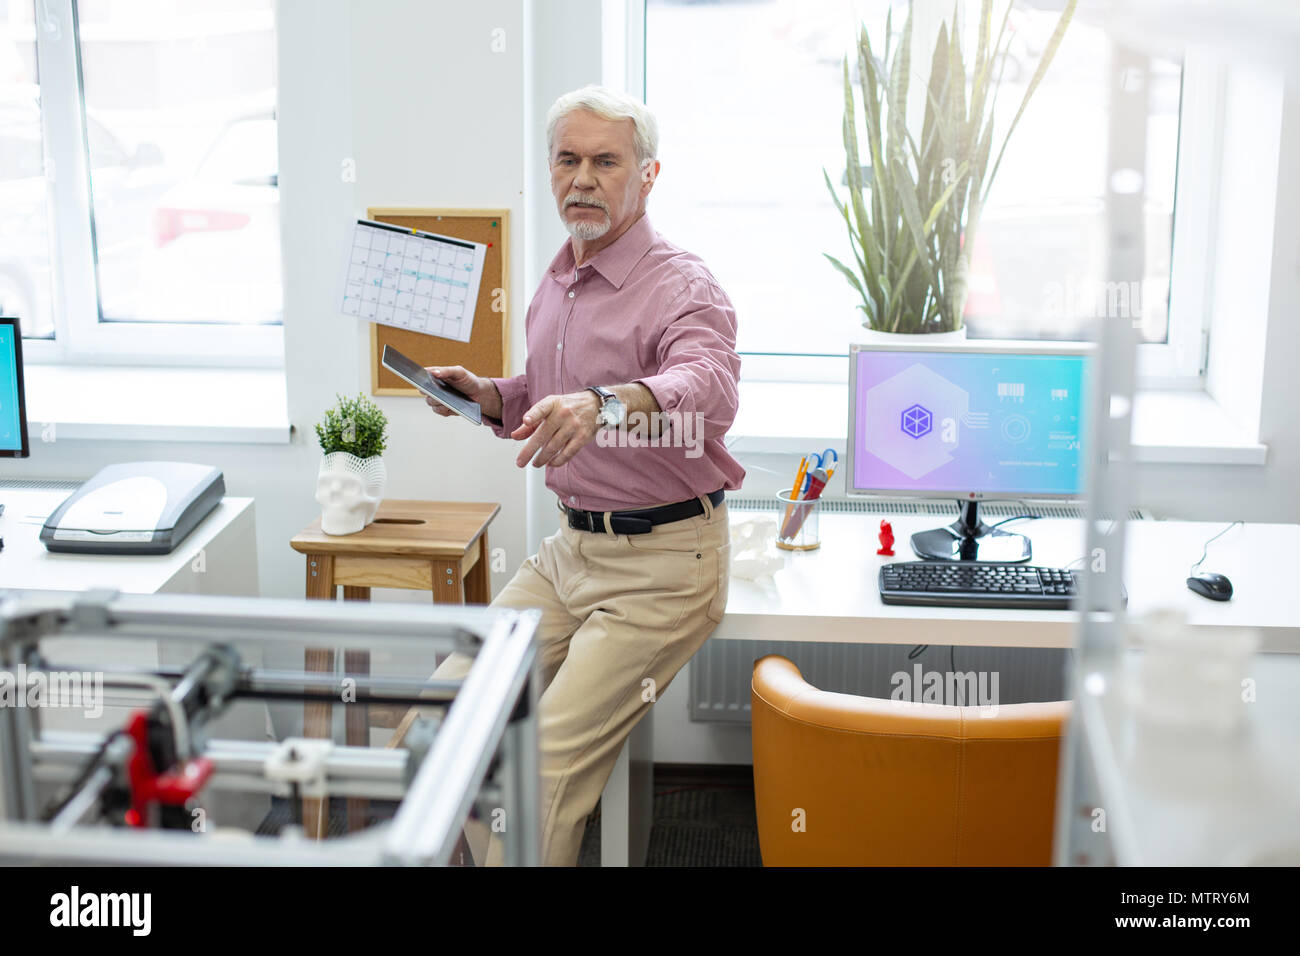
(487, 351)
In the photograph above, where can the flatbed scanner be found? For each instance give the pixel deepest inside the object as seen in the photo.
(142, 507)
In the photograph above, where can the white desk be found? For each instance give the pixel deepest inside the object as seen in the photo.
(218, 557)
(831, 595)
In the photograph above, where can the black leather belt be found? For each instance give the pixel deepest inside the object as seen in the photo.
(639, 521)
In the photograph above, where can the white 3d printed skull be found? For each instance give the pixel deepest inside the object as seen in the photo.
(349, 490)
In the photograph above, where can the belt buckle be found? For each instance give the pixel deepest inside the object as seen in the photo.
(577, 523)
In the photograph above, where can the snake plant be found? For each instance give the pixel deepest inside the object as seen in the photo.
(912, 221)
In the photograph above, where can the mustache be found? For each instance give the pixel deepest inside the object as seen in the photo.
(575, 199)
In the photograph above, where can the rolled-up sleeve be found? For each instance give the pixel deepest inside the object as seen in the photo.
(699, 369)
(514, 402)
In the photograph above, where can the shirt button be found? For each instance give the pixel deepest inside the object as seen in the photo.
(573, 499)
(558, 346)
(572, 293)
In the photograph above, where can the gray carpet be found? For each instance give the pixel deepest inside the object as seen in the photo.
(697, 822)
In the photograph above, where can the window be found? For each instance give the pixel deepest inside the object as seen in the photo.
(750, 97)
(24, 221)
(151, 232)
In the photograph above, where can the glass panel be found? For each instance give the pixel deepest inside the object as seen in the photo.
(25, 235)
(750, 102)
(180, 113)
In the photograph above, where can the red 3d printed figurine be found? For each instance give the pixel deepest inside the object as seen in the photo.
(886, 539)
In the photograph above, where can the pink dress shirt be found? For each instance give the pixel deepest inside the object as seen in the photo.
(640, 310)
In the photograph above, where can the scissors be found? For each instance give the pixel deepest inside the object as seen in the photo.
(828, 460)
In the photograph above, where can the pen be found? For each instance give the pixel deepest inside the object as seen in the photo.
(794, 492)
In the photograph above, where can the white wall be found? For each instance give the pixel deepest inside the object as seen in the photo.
(436, 120)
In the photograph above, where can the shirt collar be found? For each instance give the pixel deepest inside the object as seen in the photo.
(616, 261)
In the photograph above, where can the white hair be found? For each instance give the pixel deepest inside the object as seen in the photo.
(611, 105)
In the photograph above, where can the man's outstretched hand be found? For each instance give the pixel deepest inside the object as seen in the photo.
(556, 428)
(475, 387)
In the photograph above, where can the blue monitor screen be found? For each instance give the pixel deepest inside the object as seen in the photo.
(12, 426)
(963, 422)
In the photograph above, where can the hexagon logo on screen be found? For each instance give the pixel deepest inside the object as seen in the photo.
(901, 413)
(916, 421)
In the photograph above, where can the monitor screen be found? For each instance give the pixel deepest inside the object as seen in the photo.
(13, 409)
(966, 421)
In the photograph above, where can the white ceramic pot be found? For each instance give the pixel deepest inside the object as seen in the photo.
(873, 337)
(349, 490)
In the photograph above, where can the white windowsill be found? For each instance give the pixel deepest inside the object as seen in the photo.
(1190, 427)
(1169, 427)
(115, 403)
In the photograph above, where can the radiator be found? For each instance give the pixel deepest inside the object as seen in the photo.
(40, 484)
(722, 670)
(941, 508)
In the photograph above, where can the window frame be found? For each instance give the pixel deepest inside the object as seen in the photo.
(80, 335)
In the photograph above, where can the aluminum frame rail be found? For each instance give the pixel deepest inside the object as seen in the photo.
(486, 746)
(1081, 836)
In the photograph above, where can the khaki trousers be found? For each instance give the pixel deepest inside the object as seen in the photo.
(621, 615)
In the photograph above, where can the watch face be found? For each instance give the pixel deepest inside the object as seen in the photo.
(612, 412)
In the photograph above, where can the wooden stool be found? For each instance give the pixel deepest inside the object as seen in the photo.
(436, 546)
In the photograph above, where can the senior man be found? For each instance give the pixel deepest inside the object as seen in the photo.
(630, 385)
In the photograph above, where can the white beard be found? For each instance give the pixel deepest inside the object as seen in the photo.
(586, 230)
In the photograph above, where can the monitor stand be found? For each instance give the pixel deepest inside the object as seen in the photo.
(970, 539)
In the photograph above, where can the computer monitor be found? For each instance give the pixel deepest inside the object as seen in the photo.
(970, 422)
(13, 401)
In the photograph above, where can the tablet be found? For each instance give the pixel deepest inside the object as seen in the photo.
(415, 373)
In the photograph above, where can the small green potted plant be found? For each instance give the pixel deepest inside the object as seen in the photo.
(914, 202)
(351, 480)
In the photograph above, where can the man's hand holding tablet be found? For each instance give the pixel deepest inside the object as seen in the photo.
(473, 387)
(446, 398)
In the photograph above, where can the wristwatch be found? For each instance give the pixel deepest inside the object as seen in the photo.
(612, 412)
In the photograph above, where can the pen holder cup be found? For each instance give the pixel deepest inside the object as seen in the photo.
(796, 522)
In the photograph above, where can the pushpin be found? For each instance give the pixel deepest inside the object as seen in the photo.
(886, 539)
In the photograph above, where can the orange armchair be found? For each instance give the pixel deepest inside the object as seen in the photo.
(841, 780)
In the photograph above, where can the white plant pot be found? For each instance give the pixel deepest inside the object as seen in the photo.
(874, 337)
(349, 490)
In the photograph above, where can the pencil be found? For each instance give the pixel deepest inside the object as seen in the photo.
(794, 493)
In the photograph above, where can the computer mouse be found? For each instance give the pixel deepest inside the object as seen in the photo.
(1213, 586)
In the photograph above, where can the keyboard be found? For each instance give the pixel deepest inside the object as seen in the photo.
(977, 584)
